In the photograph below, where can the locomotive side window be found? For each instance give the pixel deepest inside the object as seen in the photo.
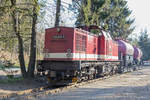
(77, 42)
(83, 43)
(80, 42)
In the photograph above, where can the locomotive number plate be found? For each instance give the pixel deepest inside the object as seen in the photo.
(58, 37)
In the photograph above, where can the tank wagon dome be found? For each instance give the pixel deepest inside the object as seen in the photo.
(125, 47)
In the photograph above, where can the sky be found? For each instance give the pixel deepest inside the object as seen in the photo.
(141, 13)
(67, 16)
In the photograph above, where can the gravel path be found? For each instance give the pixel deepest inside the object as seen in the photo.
(130, 86)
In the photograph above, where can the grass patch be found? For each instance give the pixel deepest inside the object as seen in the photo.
(1, 66)
(13, 66)
(11, 80)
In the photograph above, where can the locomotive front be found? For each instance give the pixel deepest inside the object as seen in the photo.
(58, 61)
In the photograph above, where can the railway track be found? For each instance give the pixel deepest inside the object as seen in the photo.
(45, 90)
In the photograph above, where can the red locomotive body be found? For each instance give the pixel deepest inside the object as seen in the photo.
(85, 45)
(107, 48)
(70, 44)
(59, 43)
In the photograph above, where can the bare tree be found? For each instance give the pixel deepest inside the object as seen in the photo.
(57, 20)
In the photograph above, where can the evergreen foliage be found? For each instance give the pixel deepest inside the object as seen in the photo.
(113, 15)
(144, 43)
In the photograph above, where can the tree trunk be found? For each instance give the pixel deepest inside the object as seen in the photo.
(20, 41)
(20, 47)
(31, 66)
(57, 13)
(21, 57)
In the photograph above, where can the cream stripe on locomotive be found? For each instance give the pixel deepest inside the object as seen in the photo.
(78, 55)
(108, 57)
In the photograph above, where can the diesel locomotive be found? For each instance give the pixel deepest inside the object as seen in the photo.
(76, 54)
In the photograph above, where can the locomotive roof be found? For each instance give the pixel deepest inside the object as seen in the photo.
(85, 32)
(78, 29)
(59, 27)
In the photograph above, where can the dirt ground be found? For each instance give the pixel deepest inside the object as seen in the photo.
(130, 86)
(13, 86)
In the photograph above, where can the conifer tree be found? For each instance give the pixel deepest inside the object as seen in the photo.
(113, 15)
(144, 44)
